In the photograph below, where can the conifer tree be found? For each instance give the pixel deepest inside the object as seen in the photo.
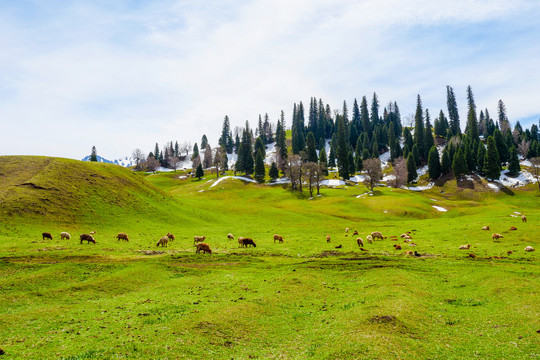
(157, 153)
(472, 121)
(356, 118)
(434, 165)
(93, 155)
(429, 141)
(237, 144)
(480, 156)
(323, 162)
(453, 113)
(502, 148)
(446, 164)
(260, 171)
(419, 132)
(311, 148)
(259, 146)
(374, 110)
(351, 165)
(225, 141)
(273, 173)
(416, 155)
(375, 149)
(343, 149)
(199, 173)
(193, 156)
(281, 142)
(407, 137)
(364, 116)
(470, 160)
(513, 165)
(332, 158)
(411, 168)
(504, 124)
(392, 142)
(459, 165)
(245, 161)
(204, 142)
(492, 162)
(358, 153)
(353, 134)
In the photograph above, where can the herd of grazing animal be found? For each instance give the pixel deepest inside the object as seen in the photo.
(244, 242)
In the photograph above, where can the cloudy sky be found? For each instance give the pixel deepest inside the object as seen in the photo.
(125, 74)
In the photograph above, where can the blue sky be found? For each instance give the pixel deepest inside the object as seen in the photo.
(127, 74)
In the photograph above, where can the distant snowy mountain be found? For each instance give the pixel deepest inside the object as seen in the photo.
(125, 161)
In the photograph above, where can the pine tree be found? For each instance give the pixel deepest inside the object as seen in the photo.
(502, 148)
(411, 168)
(311, 148)
(225, 141)
(375, 150)
(245, 161)
(470, 159)
(374, 110)
(93, 155)
(274, 172)
(419, 132)
(504, 124)
(193, 156)
(332, 158)
(392, 142)
(453, 113)
(343, 149)
(356, 118)
(204, 142)
(434, 165)
(492, 161)
(446, 164)
(513, 165)
(323, 162)
(237, 144)
(157, 153)
(260, 171)
(200, 172)
(429, 141)
(407, 137)
(351, 164)
(472, 121)
(364, 116)
(416, 155)
(459, 165)
(259, 146)
(480, 156)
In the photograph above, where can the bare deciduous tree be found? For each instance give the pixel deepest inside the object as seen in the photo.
(536, 169)
(313, 176)
(138, 157)
(523, 147)
(400, 172)
(195, 163)
(294, 172)
(185, 147)
(152, 164)
(175, 163)
(207, 160)
(373, 170)
(219, 160)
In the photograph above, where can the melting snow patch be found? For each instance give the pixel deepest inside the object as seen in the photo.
(517, 212)
(493, 186)
(280, 181)
(513, 215)
(433, 199)
(233, 177)
(422, 171)
(332, 182)
(438, 208)
(421, 188)
(385, 158)
(522, 179)
(358, 178)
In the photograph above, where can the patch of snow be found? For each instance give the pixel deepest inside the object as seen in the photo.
(493, 186)
(513, 215)
(422, 171)
(433, 199)
(527, 163)
(271, 154)
(358, 178)
(200, 190)
(438, 208)
(164, 169)
(385, 211)
(332, 182)
(232, 177)
(522, 179)
(385, 159)
(421, 188)
(517, 212)
(279, 181)
(388, 177)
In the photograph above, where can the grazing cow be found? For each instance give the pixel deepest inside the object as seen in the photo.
(205, 248)
(406, 236)
(46, 235)
(485, 227)
(523, 218)
(355, 233)
(513, 228)
(163, 241)
(170, 236)
(377, 234)
(122, 236)
(465, 247)
(199, 239)
(230, 236)
(346, 230)
(472, 256)
(360, 242)
(409, 252)
(64, 235)
(529, 249)
(412, 244)
(328, 238)
(509, 252)
(89, 238)
(244, 242)
(496, 236)
(369, 239)
(278, 238)
(397, 247)
(92, 232)
(362, 249)
(339, 246)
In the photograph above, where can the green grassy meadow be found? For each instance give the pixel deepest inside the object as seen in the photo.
(301, 299)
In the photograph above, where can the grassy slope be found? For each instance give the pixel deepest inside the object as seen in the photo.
(299, 299)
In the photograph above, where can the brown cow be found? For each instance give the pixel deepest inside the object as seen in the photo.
(199, 239)
(205, 248)
(513, 228)
(122, 236)
(163, 241)
(523, 218)
(64, 235)
(278, 238)
(230, 236)
(46, 235)
(360, 242)
(485, 227)
(465, 247)
(355, 232)
(496, 236)
(377, 234)
(244, 242)
(397, 247)
(328, 238)
(170, 236)
(89, 238)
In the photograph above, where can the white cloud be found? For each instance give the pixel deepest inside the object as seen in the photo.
(124, 77)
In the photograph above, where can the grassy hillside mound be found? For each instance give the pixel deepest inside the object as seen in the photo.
(56, 190)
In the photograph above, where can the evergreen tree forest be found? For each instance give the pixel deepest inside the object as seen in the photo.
(342, 139)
